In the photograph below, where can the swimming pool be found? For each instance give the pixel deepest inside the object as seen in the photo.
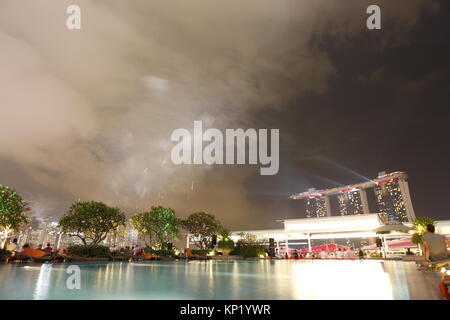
(263, 279)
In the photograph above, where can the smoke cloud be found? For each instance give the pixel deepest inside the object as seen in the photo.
(88, 114)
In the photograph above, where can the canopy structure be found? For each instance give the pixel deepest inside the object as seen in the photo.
(396, 244)
(390, 228)
(326, 247)
(307, 230)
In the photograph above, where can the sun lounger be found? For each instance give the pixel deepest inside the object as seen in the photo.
(120, 257)
(192, 256)
(36, 255)
(434, 265)
(72, 258)
(439, 264)
(33, 253)
(42, 259)
(18, 258)
(150, 256)
(146, 256)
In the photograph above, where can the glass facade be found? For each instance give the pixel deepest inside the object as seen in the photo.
(350, 203)
(390, 200)
(391, 191)
(317, 207)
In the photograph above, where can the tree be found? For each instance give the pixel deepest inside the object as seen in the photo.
(140, 222)
(202, 227)
(248, 239)
(159, 226)
(420, 227)
(91, 221)
(12, 212)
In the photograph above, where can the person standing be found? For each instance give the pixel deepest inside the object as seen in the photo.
(361, 254)
(48, 249)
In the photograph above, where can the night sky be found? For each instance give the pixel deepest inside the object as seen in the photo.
(88, 114)
(385, 110)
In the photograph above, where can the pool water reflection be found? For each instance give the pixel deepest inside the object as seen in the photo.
(264, 279)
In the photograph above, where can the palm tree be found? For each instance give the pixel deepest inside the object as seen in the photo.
(420, 226)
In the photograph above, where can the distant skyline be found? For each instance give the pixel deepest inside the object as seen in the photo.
(87, 114)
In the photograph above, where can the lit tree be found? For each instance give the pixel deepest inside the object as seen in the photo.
(202, 227)
(420, 227)
(91, 221)
(159, 226)
(12, 212)
(141, 223)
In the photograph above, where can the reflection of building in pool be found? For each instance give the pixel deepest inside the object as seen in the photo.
(391, 191)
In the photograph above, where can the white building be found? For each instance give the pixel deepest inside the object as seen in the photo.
(339, 227)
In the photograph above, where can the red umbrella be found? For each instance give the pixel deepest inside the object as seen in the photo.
(326, 247)
(372, 247)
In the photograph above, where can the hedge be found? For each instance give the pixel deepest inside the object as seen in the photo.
(4, 254)
(89, 251)
(250, 251)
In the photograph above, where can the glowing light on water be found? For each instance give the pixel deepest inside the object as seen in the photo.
(43, 282)
(341, 280)
(289, 279)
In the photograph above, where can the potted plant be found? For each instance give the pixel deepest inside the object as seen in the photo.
(226, 245)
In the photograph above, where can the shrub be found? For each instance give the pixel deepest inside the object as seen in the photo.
(4, 254)
(249, 246)
(89, 251)
(162, 253)
(226, 244)
(249, 251)
(201, 252)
